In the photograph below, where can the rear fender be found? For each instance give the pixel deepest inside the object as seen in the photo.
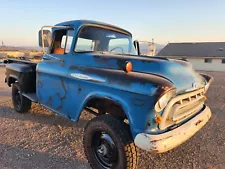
(24, 74)
(11, 79)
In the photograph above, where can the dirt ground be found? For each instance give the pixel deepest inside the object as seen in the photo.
(41, 139)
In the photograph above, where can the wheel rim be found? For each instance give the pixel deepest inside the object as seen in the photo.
(17, 99)
(105, 150)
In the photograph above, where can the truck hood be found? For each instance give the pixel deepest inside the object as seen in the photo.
(180, 73)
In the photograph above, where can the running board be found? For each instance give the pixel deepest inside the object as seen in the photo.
(31, 96)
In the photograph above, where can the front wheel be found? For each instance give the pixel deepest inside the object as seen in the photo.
(108, 144)
(21, 104)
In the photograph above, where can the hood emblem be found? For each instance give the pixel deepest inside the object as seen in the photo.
(197, 85)
(194, 87)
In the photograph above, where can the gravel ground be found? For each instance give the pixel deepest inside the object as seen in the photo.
(42, 139)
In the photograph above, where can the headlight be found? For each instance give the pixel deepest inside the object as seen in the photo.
(164, 99)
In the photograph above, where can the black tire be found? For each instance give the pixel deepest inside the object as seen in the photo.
(124, 150)
(21, 104)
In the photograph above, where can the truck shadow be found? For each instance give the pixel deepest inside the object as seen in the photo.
(41, 115)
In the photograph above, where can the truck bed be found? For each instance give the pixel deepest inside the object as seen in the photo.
(9, 60)
(23, 72)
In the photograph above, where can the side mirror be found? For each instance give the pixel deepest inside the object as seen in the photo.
(5, 61)
(137, 46)
(44, 38)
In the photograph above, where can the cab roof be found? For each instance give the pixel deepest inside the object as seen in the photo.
(80, 23)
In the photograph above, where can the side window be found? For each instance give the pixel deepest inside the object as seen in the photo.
(119, 45)
(62, 42)
(84, 45)
(223, 61)
(67, 41)
(208, 60)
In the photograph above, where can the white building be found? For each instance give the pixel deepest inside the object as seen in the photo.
(209, 56)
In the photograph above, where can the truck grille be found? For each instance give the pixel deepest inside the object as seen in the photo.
(182, 107)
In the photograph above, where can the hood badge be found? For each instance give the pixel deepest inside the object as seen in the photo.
(194, 87)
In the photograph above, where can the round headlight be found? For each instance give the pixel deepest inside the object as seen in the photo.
(164, 99)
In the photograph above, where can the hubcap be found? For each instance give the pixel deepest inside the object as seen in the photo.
(102, 150)
(18, 99)
(105, 150)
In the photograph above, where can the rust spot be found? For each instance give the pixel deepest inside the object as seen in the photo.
(59, 108)
(121, 63)
(40, 84)
(49, 102)
(162, 89)
(79, 89)
(69, 116)
(62, 64)
(147, 124)
(40, 96)
(137, 102)
(74, 67)
(63, 85)
(100, 59)
(62, 98)
(198, 122)
(155, 141)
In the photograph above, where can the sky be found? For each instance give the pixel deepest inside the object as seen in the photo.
(164, 20)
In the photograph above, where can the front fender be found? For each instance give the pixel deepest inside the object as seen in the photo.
(136, 92)
(138, 108)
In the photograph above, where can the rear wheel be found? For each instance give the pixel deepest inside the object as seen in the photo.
(21, 104)
(108, 144)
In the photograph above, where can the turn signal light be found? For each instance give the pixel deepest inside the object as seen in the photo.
(158, 119)
(205, 98)
(128, 67)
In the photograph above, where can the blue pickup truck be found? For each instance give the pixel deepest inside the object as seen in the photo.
(152, 103)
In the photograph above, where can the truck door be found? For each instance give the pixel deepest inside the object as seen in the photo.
(52, 73)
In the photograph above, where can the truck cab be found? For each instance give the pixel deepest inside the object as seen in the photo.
(149, 102)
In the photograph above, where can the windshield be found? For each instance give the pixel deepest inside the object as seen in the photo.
(98, 39)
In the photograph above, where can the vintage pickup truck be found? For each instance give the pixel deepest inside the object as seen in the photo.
(152, 103)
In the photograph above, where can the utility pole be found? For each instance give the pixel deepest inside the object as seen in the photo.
(152, 48)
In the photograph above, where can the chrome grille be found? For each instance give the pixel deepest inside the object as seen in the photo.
(181, 107)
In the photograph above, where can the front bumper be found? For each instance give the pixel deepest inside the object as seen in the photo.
(166, 141)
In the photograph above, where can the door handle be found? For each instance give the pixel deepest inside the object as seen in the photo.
(50, 58)
(46, 58)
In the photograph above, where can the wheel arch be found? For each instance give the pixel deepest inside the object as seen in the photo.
(121, 104)
(12, 79)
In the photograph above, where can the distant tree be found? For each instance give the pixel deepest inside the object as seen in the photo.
(10, 56)
(34, 50)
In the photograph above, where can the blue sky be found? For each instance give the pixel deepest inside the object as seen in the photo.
(165, 21)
